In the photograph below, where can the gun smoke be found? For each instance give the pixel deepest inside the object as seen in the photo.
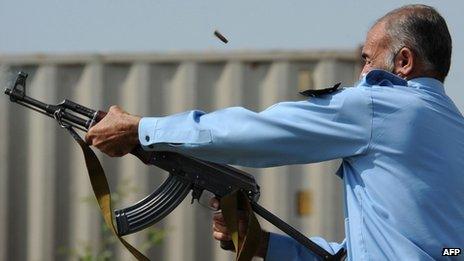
(6, 77)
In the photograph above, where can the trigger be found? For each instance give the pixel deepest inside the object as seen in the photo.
(196, 194)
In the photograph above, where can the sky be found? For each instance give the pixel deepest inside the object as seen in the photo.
(114, 26)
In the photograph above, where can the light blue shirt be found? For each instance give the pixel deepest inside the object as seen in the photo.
(402, 145)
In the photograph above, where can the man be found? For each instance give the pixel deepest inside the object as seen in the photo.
(400, 136)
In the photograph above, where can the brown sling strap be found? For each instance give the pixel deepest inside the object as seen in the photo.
(102, 190)
(245, 248)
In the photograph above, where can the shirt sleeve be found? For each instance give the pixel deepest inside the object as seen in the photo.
(314, 130)
(286, 248)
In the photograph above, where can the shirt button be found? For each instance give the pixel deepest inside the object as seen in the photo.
(147, 138)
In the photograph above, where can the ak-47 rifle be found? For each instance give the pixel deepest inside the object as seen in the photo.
(185, 174)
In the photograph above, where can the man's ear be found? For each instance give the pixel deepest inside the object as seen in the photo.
(405, 62)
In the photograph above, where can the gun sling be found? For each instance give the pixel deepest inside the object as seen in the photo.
(102, 190)
(230, 204)
(244, 250)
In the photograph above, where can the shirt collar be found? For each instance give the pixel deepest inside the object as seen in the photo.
(427, 83)
(384, 78)
(381, 78)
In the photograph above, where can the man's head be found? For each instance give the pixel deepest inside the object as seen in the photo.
(411, 41)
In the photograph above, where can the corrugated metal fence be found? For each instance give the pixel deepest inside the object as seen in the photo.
(48, 212)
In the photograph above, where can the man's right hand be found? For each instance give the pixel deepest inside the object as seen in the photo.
(221, 233)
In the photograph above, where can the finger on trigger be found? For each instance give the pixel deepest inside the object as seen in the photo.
(221, 236)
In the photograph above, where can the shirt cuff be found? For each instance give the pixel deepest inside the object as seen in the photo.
(285, 248)
(147, 127)
(175, 131)
(282, 247)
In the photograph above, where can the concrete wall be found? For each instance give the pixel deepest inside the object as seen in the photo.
(47, 203)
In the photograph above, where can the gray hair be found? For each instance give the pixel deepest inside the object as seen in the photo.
(422, 29)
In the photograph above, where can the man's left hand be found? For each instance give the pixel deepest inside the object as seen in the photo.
(116, 134)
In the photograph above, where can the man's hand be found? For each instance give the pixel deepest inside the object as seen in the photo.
(221, 233)
(116, 134)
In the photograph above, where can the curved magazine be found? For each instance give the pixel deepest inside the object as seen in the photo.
(153, 208)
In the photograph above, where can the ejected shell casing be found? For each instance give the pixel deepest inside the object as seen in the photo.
(220, 36)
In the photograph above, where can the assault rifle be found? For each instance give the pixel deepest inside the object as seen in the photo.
(185, 174)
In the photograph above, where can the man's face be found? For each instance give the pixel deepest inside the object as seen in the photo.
(375, 51)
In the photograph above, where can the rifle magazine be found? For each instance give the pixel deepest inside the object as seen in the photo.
(152, 208)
